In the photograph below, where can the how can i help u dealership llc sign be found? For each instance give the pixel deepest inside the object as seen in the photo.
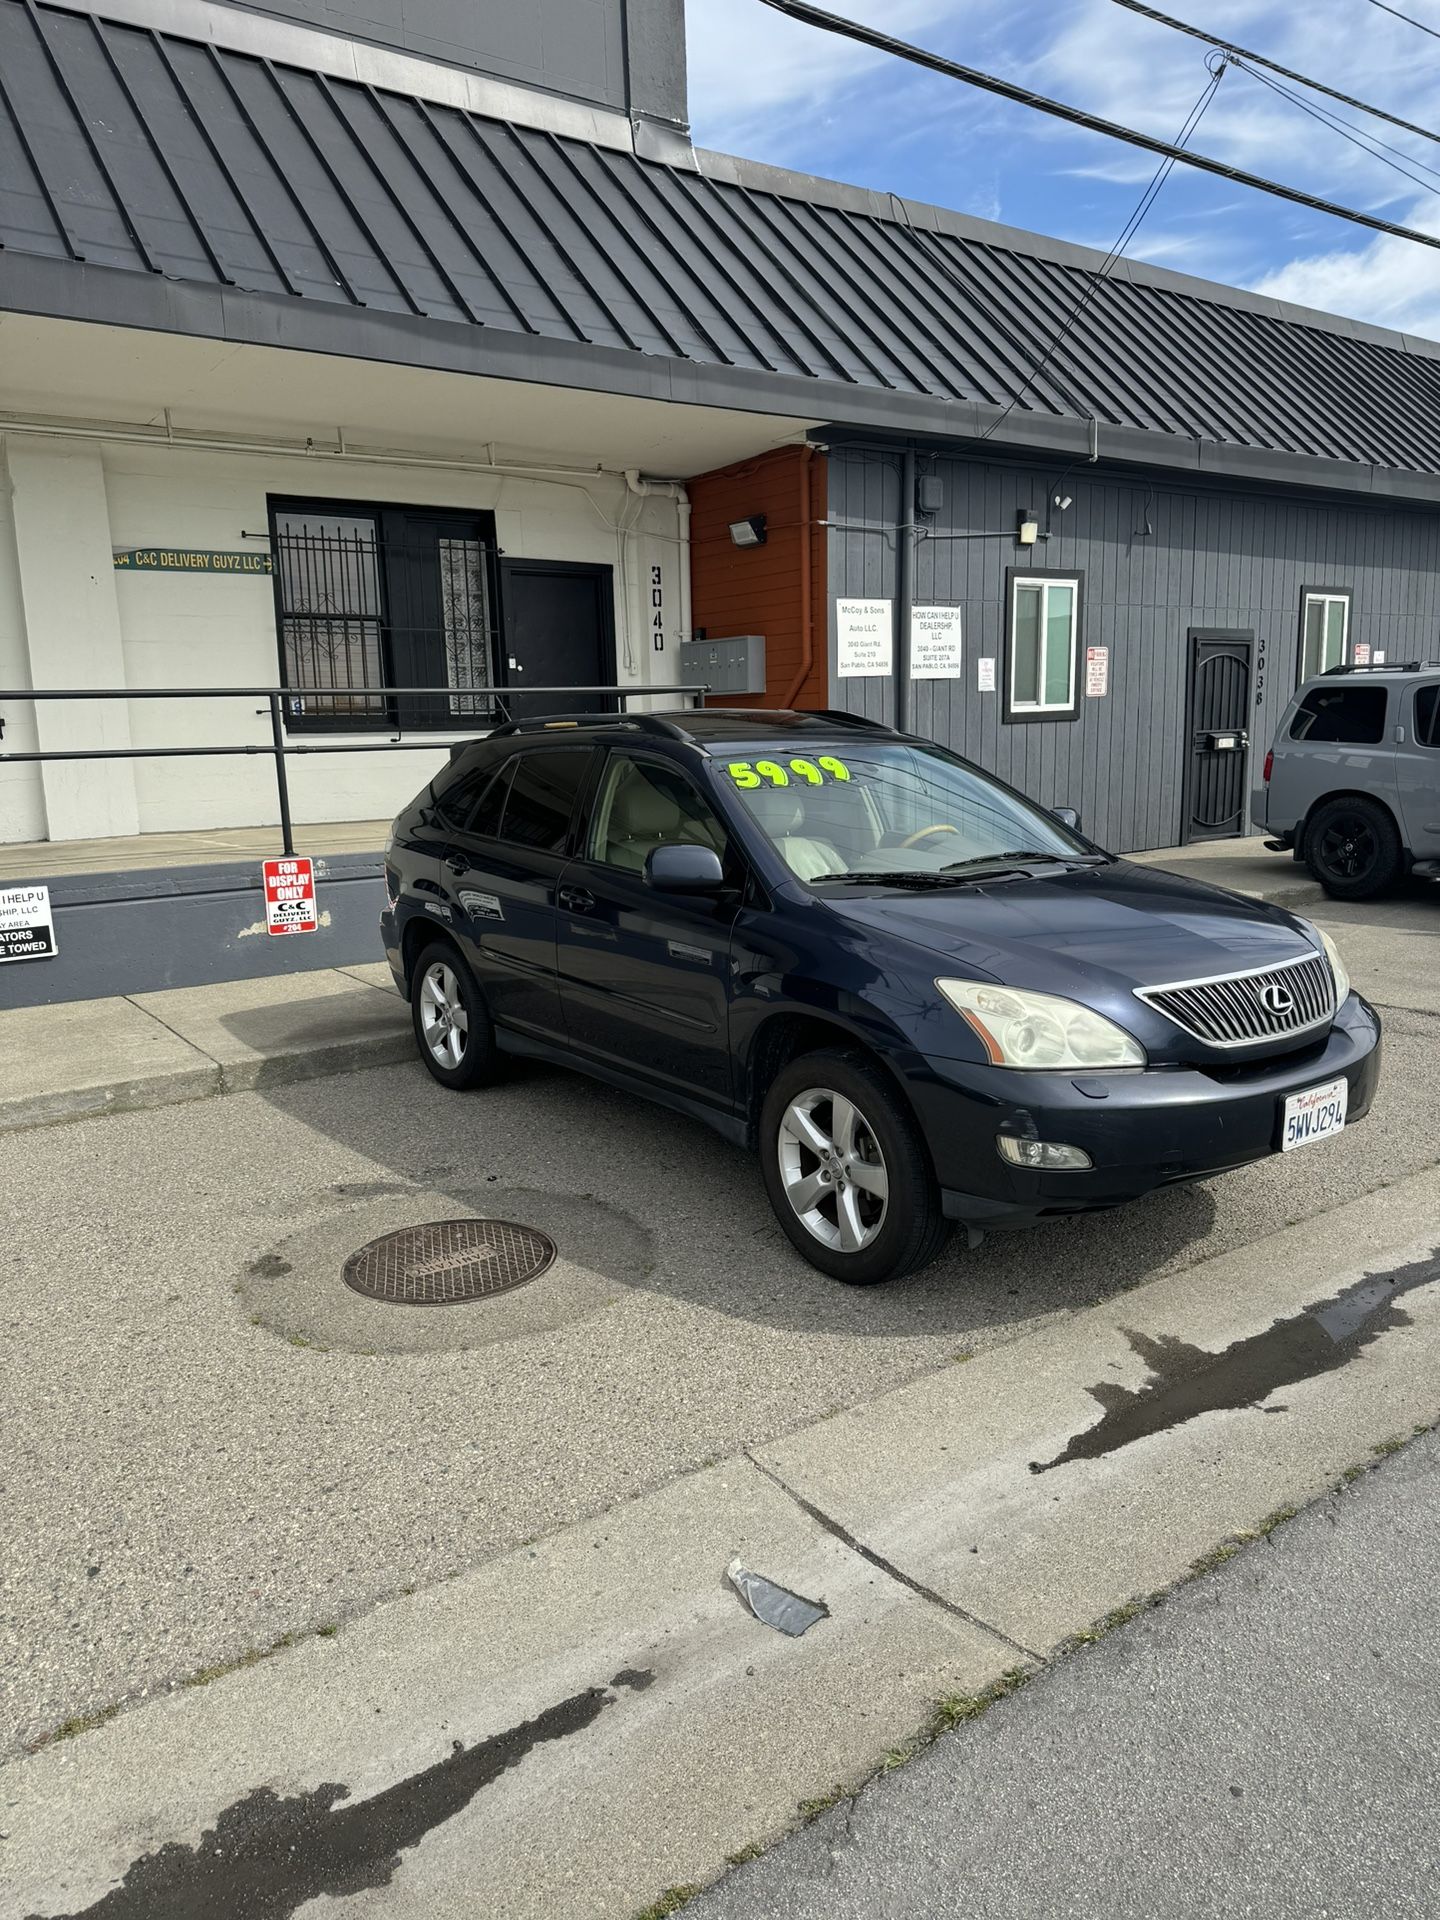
(27, 924)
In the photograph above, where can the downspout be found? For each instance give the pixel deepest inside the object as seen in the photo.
(671, 490)
(904, 587)
(807, 635)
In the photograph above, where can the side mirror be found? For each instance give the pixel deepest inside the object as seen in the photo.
(1068, 817)
(677, 868)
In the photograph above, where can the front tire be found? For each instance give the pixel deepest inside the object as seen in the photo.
(1352, 847)
(453, 1030)
(846, 1170)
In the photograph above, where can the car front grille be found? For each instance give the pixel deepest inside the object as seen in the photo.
(1247, 1009)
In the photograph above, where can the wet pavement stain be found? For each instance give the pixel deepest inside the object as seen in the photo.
(1188, 1381)
(269, 1853)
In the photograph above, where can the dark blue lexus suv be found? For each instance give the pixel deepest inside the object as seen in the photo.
(922, 997)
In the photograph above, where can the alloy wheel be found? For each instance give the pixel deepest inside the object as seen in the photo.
(833, 1171)
(1348, 847)
(444, 1020)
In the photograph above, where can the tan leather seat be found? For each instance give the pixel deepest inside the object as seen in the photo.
(781, 812)
(643, 816)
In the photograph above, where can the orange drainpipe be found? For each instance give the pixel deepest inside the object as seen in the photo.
(807, 638)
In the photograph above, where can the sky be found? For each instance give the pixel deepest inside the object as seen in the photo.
(773, 89)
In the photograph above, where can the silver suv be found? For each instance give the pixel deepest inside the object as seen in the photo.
(1352, 783)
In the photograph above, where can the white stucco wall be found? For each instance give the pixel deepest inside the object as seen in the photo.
(22, 799)
(203, 630)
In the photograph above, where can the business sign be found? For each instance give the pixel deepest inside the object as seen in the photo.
(27, 925)
(1097, 672)
(864, 637)
(290, 897)
(935, 643)
(190, 560)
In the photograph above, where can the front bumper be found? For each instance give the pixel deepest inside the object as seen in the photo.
(1141, 1130)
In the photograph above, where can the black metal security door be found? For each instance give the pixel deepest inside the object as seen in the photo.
(1218, 717)
(559, 632)
(438, 577)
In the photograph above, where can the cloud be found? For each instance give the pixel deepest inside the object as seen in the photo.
(760, 78)
(1391, 282)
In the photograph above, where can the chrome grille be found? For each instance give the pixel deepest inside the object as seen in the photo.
(1246, 1009)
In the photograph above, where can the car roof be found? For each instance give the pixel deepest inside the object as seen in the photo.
(703, 727)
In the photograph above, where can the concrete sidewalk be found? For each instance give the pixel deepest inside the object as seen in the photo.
(1242, 865)
(83, 1057)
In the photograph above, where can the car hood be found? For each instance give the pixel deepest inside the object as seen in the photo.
(1108, 928)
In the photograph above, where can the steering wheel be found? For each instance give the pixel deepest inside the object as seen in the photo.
(942, 826)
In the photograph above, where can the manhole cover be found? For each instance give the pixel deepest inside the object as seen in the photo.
(448, 1261)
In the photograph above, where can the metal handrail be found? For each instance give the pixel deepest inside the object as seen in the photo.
(278, 748)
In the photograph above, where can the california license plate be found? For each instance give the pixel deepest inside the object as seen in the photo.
(1314, 1115)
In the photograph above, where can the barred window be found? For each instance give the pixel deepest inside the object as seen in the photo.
(374, 600)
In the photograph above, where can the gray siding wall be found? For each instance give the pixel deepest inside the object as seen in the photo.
(574, 47)
(1214, 560)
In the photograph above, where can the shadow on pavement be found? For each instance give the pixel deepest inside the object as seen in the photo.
(717, 1244)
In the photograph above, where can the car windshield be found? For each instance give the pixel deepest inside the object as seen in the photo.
(887, 808)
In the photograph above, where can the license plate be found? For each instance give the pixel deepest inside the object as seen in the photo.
(1314, 1115)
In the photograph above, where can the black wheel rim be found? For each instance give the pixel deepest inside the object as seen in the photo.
(1349, 847)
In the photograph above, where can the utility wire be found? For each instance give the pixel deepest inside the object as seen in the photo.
(1406, 18)
(1077, 116)
(1126, 235)
(1347, 130)
(1245, 54)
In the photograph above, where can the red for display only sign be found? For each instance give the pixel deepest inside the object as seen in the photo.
(290, 897)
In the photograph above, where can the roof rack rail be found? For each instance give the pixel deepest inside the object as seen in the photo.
(564, 722)
(851, 719)
(1383, 666)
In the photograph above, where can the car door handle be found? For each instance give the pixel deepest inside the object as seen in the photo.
(457, 863)
(577, 900)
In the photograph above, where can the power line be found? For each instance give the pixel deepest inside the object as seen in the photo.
(1077, 116)
(1406, 18)
(1126, 235)
(1245, 54)
(1347, 130)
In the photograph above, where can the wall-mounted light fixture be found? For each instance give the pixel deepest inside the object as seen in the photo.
(1028, 530)
(1063, 501)
(749, 533)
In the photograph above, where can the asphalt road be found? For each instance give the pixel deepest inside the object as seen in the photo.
(1263, 1744)
(210, 1445)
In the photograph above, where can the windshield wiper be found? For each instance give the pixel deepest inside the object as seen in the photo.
(900, 877)
(1028, 855)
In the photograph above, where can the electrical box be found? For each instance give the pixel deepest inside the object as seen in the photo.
(735, 665)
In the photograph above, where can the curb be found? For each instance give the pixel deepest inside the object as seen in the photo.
(202, 1083)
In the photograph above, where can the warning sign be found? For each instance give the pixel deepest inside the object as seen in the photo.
(27, 926)
(1097, 672)
(290, 896)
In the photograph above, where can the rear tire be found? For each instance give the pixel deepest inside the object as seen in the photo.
(453, 1031)
(1352, 847)
(846, 1170)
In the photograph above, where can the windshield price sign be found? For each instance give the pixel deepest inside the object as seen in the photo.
(290, 897)
(27, 925)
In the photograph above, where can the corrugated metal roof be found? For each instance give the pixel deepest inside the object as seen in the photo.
(128, 148)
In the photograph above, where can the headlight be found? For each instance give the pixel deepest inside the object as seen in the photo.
(1337, 966)
(1039, 1030)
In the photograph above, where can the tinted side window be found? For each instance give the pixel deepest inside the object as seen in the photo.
(1427, 716)
(1354, 716)
(491, 805)
(455, 803)
(542, 797)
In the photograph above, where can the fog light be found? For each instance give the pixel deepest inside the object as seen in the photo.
(1043, 1155)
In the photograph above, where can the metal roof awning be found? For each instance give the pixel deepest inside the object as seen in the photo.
(151, 180)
